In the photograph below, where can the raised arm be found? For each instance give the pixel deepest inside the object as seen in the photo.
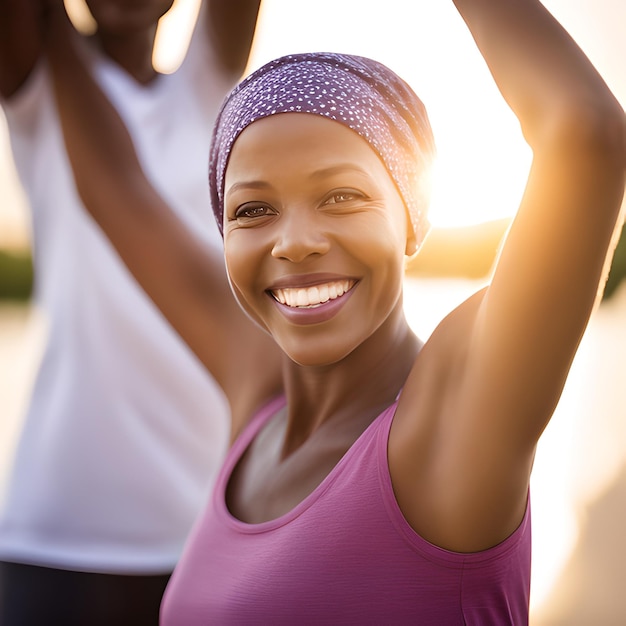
(185, 278)
(501, 359)
(21, 41)
(552, 265)
(231, 27)
(525, 331)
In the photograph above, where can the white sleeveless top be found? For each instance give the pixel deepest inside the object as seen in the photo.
(125, 430)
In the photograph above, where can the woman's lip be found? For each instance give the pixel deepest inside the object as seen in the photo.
(315, 314)
(296, 281)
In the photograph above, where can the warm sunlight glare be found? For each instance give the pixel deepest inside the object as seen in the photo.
(478, 181)
(173, 35)
(482, 158)
(80, 16)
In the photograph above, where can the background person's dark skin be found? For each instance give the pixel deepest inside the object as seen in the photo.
(127, 36)
(477, 396)
(105, 592)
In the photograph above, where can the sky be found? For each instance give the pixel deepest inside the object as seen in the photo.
(482, 159)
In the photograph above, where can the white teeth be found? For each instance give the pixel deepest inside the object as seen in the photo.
(312, 296)
(323, 293)
(302, 298)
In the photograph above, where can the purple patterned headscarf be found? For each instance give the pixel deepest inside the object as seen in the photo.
(360, 93)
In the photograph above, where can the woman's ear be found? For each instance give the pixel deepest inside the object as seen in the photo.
(411, 245)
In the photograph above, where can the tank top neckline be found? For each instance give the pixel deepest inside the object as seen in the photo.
(263, 416)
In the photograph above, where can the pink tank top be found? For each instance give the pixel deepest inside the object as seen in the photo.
(344, 555)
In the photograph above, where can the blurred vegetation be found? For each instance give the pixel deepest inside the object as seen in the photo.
(16, 275)
(618, 266)
(466, 252)
(470, 252)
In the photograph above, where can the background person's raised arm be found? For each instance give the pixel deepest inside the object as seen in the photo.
(231, 27)
(186, 279)
(21, 40)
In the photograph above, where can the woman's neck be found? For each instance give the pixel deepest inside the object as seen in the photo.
(356, 389)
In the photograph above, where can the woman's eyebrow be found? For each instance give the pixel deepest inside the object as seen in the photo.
(247, 184)
(341, 168)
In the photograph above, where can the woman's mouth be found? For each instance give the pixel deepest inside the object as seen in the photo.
(311, 297)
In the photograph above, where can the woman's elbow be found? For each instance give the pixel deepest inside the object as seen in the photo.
(596, 129)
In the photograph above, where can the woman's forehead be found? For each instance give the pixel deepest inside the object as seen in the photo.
(294, 128)
(319, 147)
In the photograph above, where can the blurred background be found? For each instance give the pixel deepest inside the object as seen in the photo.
(579, 479)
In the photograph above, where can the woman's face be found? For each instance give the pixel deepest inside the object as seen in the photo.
(315, 234)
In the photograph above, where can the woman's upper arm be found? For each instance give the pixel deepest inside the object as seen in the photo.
(184, 276)
(549, 272)
(186, 279)
(489, 378)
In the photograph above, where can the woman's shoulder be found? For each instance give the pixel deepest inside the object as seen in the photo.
(446, 461)
(442, 354)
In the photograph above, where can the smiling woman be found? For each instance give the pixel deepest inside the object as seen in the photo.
(388, 477)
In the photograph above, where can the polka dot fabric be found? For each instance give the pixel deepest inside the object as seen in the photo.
(359, 93)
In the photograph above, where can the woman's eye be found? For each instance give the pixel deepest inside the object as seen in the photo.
(343, 196)
(250, 211)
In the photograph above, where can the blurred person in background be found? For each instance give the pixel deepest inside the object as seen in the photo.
(125, 428)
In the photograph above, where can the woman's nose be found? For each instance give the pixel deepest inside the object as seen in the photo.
(299, 235)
